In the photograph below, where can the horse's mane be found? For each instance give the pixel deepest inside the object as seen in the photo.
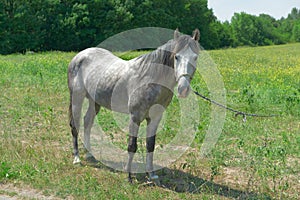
(164, 55)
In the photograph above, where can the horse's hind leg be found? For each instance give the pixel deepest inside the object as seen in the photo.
(88, 123)
(75, 113)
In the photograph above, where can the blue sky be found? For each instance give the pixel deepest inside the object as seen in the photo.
(224, 9)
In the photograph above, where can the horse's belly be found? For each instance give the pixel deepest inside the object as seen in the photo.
(114, 98)
(107, 86)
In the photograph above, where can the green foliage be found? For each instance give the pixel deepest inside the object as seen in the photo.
(74, 25)
(252, 30)
(296, 32)
(6, 171)
(36, 25)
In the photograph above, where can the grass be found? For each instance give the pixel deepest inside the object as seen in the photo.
(258, 159)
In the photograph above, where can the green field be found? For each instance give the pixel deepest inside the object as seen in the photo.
(258, 159)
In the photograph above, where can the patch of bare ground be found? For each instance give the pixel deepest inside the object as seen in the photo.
(11, 192)
(293, 162)
(234, 176)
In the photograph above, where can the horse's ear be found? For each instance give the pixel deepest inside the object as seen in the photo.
(176, 34)
(196, 35)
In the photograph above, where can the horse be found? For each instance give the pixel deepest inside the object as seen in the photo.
(134, 87)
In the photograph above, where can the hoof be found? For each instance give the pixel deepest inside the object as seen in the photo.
(153, 179)
(129, 178)
(153, 176)
(76, 160)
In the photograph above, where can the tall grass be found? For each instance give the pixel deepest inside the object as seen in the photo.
(256, 159)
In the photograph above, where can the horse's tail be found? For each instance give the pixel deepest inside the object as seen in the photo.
(76, 85)
(70, 85)
(73, 72)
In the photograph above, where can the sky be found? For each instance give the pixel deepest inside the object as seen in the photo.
(224, 9)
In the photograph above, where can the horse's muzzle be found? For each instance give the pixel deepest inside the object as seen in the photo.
(183, 87)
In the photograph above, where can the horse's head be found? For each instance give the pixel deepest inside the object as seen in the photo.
(185, 60)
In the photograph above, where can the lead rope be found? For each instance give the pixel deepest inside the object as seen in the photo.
(237, 112)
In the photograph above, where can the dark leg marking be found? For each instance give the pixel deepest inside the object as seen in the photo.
(150, 143)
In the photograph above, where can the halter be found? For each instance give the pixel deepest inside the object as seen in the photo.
(185, 73)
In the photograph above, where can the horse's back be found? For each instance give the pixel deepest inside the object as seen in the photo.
(98, 71)
(95, 62)
(94, 57)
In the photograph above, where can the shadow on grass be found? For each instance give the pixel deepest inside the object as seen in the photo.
(183, 182)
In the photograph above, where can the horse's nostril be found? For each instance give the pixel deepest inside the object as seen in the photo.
(183, 87)
(183, 92)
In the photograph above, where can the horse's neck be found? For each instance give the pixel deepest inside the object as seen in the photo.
(162, 56)
(156, 67)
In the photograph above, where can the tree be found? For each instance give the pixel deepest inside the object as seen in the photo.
(269, 30)
(4, 29)
(294, 15)
(296, 32)
(20, 26)
(286, 25)
(245, 29)
(73, 25)
(226, 36)
(252, 30)
(195, 14)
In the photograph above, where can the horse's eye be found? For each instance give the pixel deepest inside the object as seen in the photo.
(176, 57)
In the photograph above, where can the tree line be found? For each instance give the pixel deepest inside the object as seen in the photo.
(73, 25)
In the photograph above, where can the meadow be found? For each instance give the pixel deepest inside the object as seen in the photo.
(256, 159)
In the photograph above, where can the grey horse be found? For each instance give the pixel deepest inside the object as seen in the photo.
(135, 87)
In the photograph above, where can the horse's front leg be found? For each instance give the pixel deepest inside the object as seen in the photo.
(152, 125)
(132, 143)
